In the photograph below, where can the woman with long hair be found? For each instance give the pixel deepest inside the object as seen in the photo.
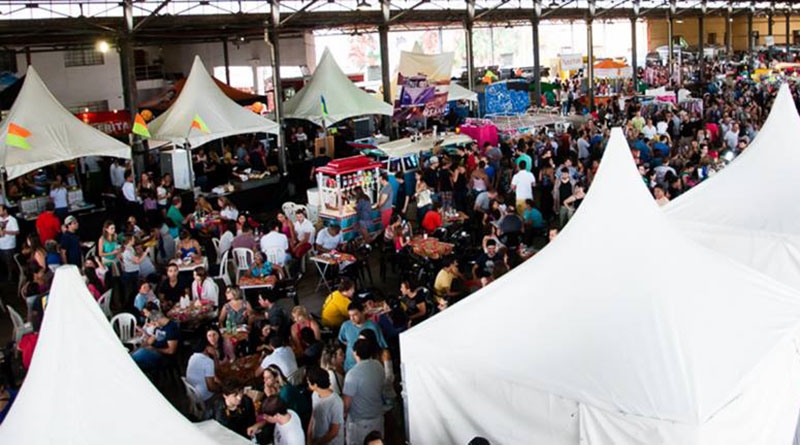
(33, 251)
(108, 247)
(332, 361)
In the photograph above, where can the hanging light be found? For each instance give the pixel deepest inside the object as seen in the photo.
(553, 4)
(362, 5)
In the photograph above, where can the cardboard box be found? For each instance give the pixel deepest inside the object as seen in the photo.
(323, 146)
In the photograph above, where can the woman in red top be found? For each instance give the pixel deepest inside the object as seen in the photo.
(302, 320)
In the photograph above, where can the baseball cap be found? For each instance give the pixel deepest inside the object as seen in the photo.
(434, 160)
(70, 219)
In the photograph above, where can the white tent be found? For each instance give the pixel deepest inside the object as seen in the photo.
(56, 135)
(621, 331)
(83, 387)
(457, 92)
(202, 97)
(748, 211)
(342, 98)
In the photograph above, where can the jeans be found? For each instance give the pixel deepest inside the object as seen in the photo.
(147, 358)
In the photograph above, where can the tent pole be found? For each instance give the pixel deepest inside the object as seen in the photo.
(3, 186)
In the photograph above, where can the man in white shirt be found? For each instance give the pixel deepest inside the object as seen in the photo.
(304, 231)
(522, 183)
(131, 202)
(128, 189)
(117, 172)
(328, 239)
(275, 240)
(200, 373)
(9, 229)
(282, 356)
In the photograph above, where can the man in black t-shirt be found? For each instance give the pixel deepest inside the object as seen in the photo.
(163, 343)
(70, 243)
(488, 262)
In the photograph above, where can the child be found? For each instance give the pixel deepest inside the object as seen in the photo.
(52, 256)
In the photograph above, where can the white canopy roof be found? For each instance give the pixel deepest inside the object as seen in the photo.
(457, 92)
(83, 387)
(56, 135)
(402, 147)
(202, 97)
(343, 99)
(612, 334)
(748, 211)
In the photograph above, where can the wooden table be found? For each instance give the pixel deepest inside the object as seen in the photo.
(257, 282)
(241, 372)
(193, 313)
(430, 247)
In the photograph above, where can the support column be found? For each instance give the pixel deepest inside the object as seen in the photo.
(670, 39)
(634, 61)
(468, 22)
(537, 78)
(227, 61)
(788, 32)
(770, 19)
(273, 35)
(383, 32)
(28, 61)
(129, 92)
(750, 42)
(701, 42)
(590, 62)
(729, 31)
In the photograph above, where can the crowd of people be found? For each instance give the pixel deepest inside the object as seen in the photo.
(330, 377)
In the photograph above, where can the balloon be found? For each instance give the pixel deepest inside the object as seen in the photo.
(147, 115)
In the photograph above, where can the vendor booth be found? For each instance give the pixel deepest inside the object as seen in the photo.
(330, 96)
(408, 154)
(38, 132)
(201, 114)
(336, 184)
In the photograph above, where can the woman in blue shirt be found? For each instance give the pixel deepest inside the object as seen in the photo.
(260, 268)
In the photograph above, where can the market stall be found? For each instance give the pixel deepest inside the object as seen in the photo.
(38, 132)
(201, 114)
(336, 183)
(407, 154)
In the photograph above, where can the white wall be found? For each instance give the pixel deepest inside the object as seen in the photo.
(77, 85)
(294, 51)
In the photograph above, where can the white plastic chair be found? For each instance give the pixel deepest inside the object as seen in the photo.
(224, 275)
(215, 242)
(197, 407)
(276, 255)
(213, 295)
(242, 258)
(124, 325)
(105, 303)
(288, 210)
(20, 326)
